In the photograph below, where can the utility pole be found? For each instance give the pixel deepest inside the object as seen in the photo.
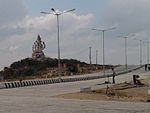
(126, 57)
(125, 48)
(147, 43)
(57, 14)
(103, 31)
(90, 61)
(140, 54)
(103, 51)
(148, 52)
(126, 53)
(96, 56)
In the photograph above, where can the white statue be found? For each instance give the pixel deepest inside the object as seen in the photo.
(37, 49)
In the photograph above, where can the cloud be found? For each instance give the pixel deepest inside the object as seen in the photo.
(18, 31)
(11, 11)
(20, 36)
(132, 17)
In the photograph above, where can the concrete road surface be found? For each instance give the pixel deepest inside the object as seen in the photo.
(40, 99)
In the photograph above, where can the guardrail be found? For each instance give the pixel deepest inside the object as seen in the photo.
(24, 83)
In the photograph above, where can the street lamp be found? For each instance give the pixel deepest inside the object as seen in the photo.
(140, 50)
(90, 61)
(96, 56)
(126, 61)
(103, 31)
(57, 14)
(148, 52)
(147, 43)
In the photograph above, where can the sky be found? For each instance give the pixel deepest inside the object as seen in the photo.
(21, 22)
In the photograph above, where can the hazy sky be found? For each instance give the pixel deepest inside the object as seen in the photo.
(21, 22)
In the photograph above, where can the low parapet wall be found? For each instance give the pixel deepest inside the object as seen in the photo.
(24, 83)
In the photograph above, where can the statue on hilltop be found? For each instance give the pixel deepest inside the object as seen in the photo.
(37, 49)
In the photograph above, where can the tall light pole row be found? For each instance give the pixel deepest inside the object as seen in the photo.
(57, 14)
(125, 37)
(140, 49)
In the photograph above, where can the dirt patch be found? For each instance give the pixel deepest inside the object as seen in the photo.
(119, 92)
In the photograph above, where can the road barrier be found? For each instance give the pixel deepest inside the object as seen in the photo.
(24, 83)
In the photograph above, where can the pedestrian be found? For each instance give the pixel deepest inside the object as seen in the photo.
(145, 67)
(148, 67)
(113, 75)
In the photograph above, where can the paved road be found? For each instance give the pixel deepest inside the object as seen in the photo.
(40, 99)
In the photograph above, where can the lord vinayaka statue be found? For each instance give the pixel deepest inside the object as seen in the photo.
(37, 49)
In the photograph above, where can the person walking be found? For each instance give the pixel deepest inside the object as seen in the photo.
(148, 67)
(113, 75)
(145, 67)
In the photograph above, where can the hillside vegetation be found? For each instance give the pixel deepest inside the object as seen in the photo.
(30, 67)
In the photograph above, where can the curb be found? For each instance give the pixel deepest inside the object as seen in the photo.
(25, 83)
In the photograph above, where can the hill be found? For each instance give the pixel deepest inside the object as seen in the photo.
(32, 69)
(29, 67)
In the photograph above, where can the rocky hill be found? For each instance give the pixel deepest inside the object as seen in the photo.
(30, 67)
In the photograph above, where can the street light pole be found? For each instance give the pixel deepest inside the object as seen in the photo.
(96, 56)
(140, 50)
(90, 61)
(126, 53)
(59, 67)
(126, 57)
(57, 14)
(148, 52)
(103, 32)
(103, 52)
(147, 43)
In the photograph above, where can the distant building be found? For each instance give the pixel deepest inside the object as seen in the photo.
(37, 49)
